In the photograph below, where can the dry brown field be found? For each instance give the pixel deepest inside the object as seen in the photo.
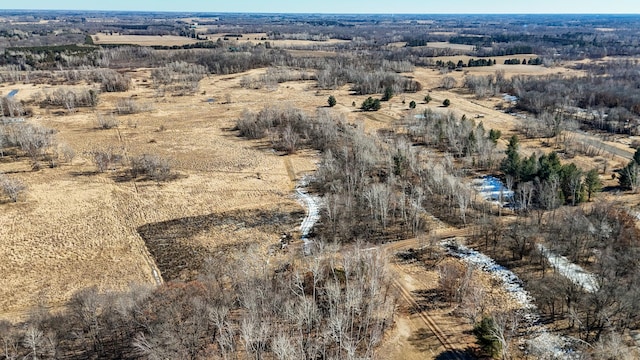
(76, 228)
(446, 45)
(142, 40)
(439, 44)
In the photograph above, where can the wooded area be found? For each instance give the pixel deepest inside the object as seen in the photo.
(396, 137)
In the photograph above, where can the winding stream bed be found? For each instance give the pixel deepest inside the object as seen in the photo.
(541, 342)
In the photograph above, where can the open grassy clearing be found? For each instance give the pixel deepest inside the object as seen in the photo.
(437, 44)
(142, 40)
(447, 45)
(77, 228)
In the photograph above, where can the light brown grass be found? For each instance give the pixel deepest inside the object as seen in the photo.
(77, 228)
(142, 40)
(447, 45)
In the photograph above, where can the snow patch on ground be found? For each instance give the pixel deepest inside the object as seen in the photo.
(313, 215)
(510, 281)
(571, 271)
(541, 343)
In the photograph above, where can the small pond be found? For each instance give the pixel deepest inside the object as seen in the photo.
(491, 188)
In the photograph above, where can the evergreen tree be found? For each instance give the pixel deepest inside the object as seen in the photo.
(592, 183)
(494, 135)
(628, 176)
(388, 93)
(636, 156)
(399, 164)
(376, 105)
(549, 165)
(529, 168)
(332, 101)
(471, 145)
(485, 335)
(512, 163)
(371, 104)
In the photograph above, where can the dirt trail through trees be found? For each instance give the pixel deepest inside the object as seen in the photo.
(453, 347)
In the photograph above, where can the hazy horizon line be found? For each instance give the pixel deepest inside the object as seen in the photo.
(306, 13)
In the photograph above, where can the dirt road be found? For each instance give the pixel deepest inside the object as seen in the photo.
(599, 144)
(447, 330)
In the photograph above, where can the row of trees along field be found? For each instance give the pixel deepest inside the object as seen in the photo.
(486, 62)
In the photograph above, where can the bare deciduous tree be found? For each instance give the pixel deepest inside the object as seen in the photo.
(448, 82)
(34, 340)
(12, 188)
(104, 159)
(451, 275)
(151, 166)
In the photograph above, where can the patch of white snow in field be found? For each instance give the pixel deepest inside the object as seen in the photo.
(313, 215)
(571, 271)
(510, 281)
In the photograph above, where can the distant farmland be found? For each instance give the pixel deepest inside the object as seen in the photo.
(142, 40)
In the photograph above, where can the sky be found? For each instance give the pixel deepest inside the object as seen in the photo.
(343, 6)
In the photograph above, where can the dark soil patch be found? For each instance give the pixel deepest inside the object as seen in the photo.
(179, 259)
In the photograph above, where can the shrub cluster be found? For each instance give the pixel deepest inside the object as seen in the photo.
(152, 167)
